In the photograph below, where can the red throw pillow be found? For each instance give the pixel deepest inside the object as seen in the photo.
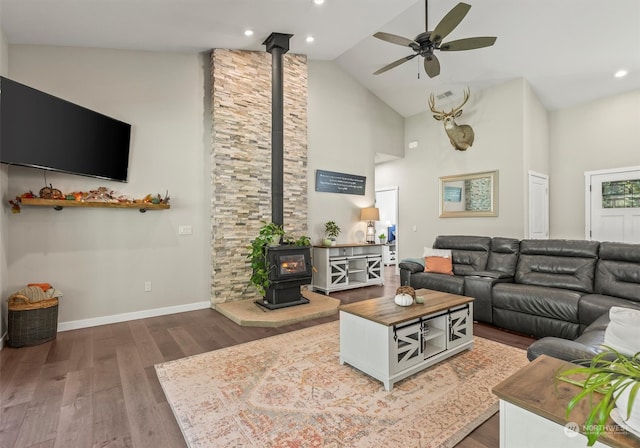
(440, 265)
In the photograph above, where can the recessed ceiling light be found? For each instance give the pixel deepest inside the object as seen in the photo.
(309, 39)
(318, 2)
(248, 33)
(621, 73)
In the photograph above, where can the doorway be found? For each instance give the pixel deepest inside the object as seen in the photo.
(387, 204)
(612, 205)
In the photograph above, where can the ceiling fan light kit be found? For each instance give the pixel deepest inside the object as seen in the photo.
(424, 44)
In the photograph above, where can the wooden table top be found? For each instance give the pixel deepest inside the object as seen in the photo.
(384, 310)
(535, 389)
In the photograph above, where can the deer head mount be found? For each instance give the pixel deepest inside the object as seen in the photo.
(460, 136)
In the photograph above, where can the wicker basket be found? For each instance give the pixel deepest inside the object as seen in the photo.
(31, 323)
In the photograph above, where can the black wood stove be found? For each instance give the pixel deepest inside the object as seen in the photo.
(289, 269)
(289, 265)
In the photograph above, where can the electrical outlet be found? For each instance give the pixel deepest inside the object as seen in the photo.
(147, 286)
(185, 230)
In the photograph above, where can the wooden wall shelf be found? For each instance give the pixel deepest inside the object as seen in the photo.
(59, 204)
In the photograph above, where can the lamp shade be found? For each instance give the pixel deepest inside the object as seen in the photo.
(369, 214)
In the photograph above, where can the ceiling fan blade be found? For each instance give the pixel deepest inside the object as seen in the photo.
(449, 22)
(394, 64)
(431, 65)
(398, 40)
(469, 43)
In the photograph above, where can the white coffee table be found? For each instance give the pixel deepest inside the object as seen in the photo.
(390, 342)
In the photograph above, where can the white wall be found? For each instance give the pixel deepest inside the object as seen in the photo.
(535, 144)
(594, 136)
(496, 115)
(4, 179)
(100, 258)
(347, 126)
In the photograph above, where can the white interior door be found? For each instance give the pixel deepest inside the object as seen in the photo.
(538, 206)
(387, 203)
(613, 205)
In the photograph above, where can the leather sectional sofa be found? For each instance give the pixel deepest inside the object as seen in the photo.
(556, 290)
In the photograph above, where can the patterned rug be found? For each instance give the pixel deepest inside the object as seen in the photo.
(291, 391)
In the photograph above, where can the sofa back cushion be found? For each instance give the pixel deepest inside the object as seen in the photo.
(504, 255)
(618, 270)
(469, 253)
(565, 264)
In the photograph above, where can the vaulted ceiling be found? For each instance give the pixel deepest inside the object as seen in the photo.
(567, 50)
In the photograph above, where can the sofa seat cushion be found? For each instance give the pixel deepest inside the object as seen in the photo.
(553, 303)
(581, 350)
(592, 306)
(534, 325)
(438, 282)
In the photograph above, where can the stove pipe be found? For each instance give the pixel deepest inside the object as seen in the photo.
(277, 44)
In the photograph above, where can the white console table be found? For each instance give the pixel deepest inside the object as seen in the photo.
(391, 342)
(346, 266)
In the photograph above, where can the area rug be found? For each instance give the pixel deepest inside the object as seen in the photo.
(291, 391)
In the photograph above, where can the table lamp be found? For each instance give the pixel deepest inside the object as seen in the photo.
(370, 214)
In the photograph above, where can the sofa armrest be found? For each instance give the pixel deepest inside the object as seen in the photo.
(413, 265)
(480, 288)
(492, 274)
(565, 349)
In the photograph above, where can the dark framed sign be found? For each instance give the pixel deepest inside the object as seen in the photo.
(332, 182)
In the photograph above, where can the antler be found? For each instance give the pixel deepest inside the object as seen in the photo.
(467, 92)
(432, 105)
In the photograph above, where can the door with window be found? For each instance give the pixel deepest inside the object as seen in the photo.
(613, 205)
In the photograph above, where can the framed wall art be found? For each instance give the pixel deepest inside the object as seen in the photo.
(469, 195)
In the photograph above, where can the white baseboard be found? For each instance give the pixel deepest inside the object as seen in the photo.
(94, 322)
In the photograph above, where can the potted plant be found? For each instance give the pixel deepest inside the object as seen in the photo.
(616, 378)
(331, 231)
(383, 238)
(269, 235)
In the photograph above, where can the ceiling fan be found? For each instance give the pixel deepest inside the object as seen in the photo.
(425, 43)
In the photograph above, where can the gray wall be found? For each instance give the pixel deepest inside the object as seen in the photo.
(497, 116)
(100, 258)
(594, 136)
(347, 126)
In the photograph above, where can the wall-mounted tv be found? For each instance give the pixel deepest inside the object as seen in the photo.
(42, 131)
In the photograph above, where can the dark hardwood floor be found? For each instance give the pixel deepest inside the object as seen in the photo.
(97, 387)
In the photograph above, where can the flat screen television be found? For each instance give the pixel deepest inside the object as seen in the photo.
(42, 131)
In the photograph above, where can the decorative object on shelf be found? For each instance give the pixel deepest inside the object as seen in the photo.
(331, 231)
(460, 136)
(617, 378)
(359, 236)
(405, 295)
(383, 238)
(370, 214)
(50, 193)
(101, 197)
